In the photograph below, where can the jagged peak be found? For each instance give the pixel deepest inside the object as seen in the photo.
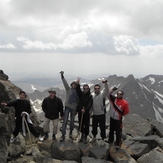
(3, 76)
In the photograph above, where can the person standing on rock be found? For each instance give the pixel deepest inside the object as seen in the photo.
(119, 107)
(84, 106)
(52, 106)
(70, 106)
(99, 111)
(21, 105)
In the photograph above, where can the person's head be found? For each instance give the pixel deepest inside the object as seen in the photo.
(22, 94)
(52, 93)
(97, 88)
(86, 88)
(74, 84)
(120, 94)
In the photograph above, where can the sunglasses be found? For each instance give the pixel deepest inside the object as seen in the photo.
(97, 88)
(119, 94)
(85, 88)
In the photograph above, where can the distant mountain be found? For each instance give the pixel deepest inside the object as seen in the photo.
(145, 95)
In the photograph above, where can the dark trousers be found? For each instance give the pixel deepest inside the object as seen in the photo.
(99, 119)
(85, 123)
(18, 127)
(115, 125)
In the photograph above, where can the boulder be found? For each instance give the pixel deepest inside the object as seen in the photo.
(85, 149)
(93, 160)
(37, 155)
(157, 127)
(136, 149)
(66, 151)
(99, 152)
(134, 125)
(156, 155)
(3, 76)
(18, 147)
(51, 160)
(160, 142)
(120, 156)
(150, 140)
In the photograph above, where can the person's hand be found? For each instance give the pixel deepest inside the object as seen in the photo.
(4, 104)
(115, 88)
(62, 73)
(83, 110)
(104, 81)
(23, 114)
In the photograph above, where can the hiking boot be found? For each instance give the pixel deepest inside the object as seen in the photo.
(70, 135)
(102, 143)
(93, 139)
(54, 137)
(62, 138)
(46, 135)
(12, 139)
(85, 139)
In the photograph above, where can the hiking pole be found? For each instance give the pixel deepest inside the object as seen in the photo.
(29, 134)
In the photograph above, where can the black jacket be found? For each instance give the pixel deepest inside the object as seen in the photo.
(20, 105)
(85, 100)
(52, 107)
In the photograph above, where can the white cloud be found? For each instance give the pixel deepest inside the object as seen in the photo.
(126, 45)
(152, 51)
(78, 40)
(7, 46)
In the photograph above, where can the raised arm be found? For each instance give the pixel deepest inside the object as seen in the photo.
(106, 89)
(67, 87)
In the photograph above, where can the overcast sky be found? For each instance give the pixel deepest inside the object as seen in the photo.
(81, 37)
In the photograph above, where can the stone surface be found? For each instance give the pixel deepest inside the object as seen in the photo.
(150, 140)
(134, 125)
(51, 160)
(138, 149)
(120, 156)
(154, 156)
(18, 147)
(66, 151)
(157, 127)
(93, 160)
(160, 142)
(3, 76)
(37, 155)
(99, 152)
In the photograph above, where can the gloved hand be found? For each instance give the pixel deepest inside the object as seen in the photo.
(104, 81)
(62, 72)
(115, 88)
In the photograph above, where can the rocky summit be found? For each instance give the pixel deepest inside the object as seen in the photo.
(142, 139)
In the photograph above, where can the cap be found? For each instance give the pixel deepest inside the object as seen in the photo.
(74, 82)
(52, 90)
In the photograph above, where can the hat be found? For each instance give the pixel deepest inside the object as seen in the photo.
(23, 93)
(52, 90)
(74, 82)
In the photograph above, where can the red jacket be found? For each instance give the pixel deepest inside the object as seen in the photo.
(118, 108)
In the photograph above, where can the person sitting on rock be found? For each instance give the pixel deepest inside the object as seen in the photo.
(70, 106)
(83, 109)
(52, 106)
(21, 105)
(119, 107)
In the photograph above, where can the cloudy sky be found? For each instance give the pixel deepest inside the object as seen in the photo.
(81, 37)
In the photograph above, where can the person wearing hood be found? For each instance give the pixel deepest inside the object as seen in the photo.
(70, 106)
(119, 107)
(83, 109)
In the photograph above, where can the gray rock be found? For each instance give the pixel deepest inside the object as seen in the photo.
(154, 156)
(99, 152)
(120, 156)
(134, 125)
(160, 142)
(138, 149)
(85, 149)
(150, 140)
(51, 160)
(18, 147)
(66, 161)
(37, 155)
(3, 76)
(93, 160)
(66, 151)
(157, 127)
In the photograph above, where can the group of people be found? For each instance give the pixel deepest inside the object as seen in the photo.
(78, 101)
